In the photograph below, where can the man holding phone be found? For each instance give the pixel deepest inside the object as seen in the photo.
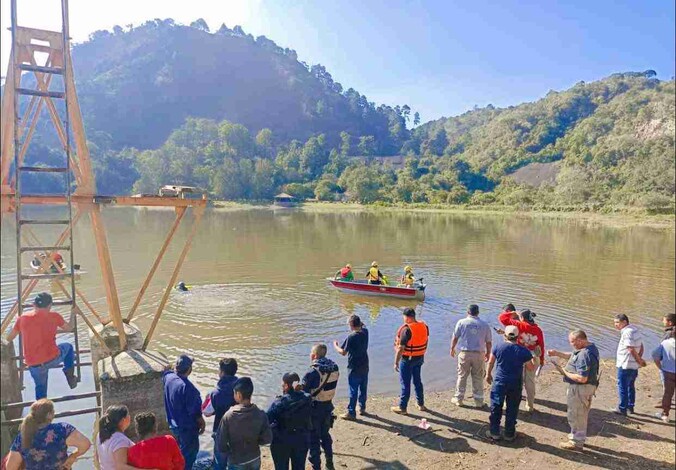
(581, 373)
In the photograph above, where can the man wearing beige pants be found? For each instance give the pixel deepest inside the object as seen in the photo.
(530, 337)
(472, 337)
(581, 373)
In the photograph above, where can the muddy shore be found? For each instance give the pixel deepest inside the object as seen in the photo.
(456, 438)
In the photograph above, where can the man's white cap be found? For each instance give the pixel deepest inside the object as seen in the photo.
(511, 331)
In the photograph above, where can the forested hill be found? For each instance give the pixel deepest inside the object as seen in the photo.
(137, 84)
(242, 118)
(604, 144)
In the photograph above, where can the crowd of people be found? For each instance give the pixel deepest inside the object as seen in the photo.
(297, 425)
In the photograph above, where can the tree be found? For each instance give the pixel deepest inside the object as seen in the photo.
(223, 30)
(238, 31)
(200, 24)
(99, 34)
(326, 190)
(345, 144)
(314, 157)
(264, 142)
(406, 113)
(117, 30)
(416, 118)
(263, 183)
(437, 142)
(362, 183)
(367, 145)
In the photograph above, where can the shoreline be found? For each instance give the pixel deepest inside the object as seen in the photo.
(620, 219)
(384, 440)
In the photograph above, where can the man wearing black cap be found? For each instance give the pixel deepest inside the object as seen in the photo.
(290, 417)
(183, 405)
(38, 331)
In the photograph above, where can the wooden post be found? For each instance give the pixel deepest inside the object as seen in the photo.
(180, 212)
(107, 273)
(199, 211)
(91, 327)
(8, 123)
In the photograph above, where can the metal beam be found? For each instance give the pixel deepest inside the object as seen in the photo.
(172, 280)
(180, 212)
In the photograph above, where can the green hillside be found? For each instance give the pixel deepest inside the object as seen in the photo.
(140, 83)
(243, 118)
(607, 143)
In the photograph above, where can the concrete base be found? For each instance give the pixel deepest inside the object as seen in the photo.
(134, 378)
(10, 392)
(112, 340)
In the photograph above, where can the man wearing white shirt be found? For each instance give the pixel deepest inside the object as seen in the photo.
(629, 360)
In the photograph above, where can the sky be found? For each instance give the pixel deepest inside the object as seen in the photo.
(441, 57)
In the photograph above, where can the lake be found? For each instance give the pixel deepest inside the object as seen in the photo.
(260, 295)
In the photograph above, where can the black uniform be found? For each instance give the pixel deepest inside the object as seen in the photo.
(290, 419)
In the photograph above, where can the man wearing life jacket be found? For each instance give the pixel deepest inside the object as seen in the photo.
(346, 273)
(58, 260)
(410, 345)
(408, 279)
(320, 382)
(374, 276)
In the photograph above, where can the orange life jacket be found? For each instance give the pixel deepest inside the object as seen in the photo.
(417, 345)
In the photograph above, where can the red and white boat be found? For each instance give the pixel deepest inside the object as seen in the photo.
(362, 287)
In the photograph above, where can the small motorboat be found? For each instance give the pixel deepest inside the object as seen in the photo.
(35, 266)
(362, 287)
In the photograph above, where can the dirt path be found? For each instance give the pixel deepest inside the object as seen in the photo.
(456, 437)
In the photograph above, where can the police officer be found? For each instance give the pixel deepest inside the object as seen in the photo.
(320, 382)
(183, 405)
(290, 417)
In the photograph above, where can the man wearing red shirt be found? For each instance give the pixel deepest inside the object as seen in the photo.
(531, 337)
(153, 451)
(40, 352)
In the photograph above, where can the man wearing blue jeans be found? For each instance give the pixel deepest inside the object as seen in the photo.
(509, 359)
(183, 405)
(410, 345)
(355, 347)
(629, 360)
(38, 331)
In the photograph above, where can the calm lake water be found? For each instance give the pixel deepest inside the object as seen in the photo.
(259, 291)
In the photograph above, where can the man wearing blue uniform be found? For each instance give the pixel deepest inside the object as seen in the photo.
(320, 382)
(509, 359)
(218, 402)
(290, 417)
(183, 405)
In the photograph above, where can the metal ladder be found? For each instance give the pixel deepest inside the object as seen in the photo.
(46, 270)
(25, 43)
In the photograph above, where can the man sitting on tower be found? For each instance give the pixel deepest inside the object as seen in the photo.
(38, 330)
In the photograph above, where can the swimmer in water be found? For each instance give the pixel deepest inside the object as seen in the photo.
(182, 287)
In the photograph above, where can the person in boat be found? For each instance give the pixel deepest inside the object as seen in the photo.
(407, 279)
(345, 274)
(42, 257)
(374, 276)
(58, 260)
(182, 287)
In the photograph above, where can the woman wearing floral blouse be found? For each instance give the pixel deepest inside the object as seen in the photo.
(43, 445)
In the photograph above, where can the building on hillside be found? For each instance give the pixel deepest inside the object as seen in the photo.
(285, 200)
(393, 161)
